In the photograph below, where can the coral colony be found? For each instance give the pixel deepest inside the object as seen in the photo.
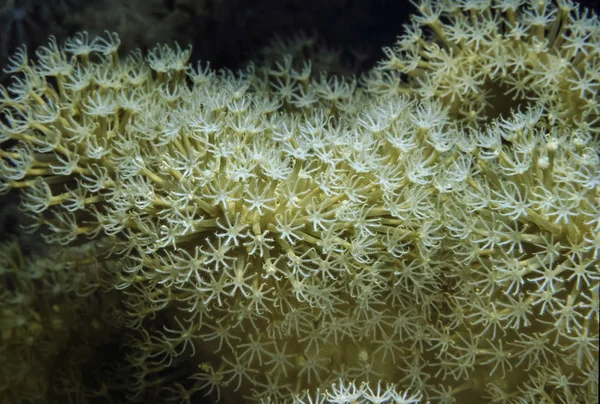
(428, 231)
